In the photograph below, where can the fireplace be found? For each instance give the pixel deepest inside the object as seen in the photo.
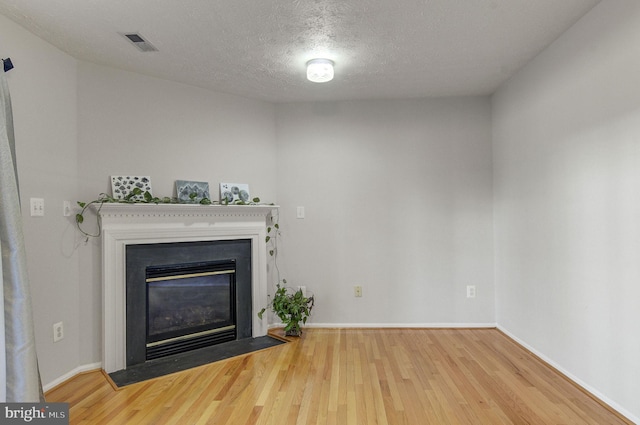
(186, 295)
(189, 306)
(184, 235)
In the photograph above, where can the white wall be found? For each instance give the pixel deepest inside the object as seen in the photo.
(133, 124)
(398, 199)
(43, 92)
(567, 199)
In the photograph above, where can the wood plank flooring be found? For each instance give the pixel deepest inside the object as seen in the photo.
(350, 376)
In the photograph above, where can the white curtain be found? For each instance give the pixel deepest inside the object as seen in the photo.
(18, 361)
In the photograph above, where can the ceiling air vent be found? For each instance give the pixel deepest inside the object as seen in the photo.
(140, 43)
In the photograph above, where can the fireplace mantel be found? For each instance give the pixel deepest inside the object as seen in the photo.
(142, 211)
(131, 224)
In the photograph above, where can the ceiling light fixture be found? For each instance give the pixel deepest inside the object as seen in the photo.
(320, 70)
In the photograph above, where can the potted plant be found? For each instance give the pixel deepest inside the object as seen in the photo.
(292, 307)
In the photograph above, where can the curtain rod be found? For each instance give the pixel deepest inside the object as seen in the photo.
(8, 65)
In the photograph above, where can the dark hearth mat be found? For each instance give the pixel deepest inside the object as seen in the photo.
(188, 360)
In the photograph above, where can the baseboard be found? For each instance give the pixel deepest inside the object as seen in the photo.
(71, 374)
(400, 325)
(604, 400)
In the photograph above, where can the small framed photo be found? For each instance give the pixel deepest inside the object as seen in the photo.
(122, 186)
(189, 192)
(232, 193)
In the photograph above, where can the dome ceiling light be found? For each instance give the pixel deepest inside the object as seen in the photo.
(320, 70)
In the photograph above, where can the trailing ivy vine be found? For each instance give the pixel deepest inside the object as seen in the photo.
(137, 196)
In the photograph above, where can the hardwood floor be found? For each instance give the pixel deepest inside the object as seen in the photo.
(350, 376)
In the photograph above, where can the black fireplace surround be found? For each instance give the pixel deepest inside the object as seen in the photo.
(220, 270)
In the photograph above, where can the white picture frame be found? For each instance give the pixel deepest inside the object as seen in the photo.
(186, 188)
(232, 193)
(122, 186)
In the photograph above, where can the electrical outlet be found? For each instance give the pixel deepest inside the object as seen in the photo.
(66, 208)
(471, 291)
(58, 331)
(357, 291)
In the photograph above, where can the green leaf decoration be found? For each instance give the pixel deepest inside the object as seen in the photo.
(136, 191)
(267, 239)
(134, 197)
(292, 308)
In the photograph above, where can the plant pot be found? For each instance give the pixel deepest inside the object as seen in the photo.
(293, 332)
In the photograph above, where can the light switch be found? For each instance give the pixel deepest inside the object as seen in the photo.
(300, 212)
(37, 207)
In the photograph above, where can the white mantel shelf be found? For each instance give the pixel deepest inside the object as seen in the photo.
(131, 224)
(142, 210)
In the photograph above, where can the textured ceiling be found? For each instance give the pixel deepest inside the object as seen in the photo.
(258, 48)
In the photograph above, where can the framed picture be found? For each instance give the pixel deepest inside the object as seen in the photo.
(121, 186)
(232, 192)
(192, 192)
